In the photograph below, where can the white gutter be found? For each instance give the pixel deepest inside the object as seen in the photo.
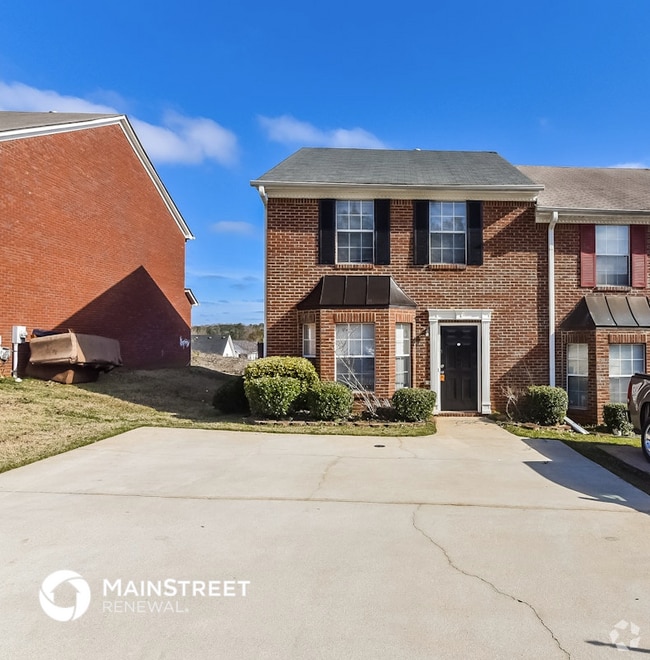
(551, 299)
(264, 197)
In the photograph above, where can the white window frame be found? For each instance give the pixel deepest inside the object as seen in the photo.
(612, 243)
(622, 368)
(402, 355)
(577, 360)
(444, 220)
(309, 340)
(350, 217)
(354, 342)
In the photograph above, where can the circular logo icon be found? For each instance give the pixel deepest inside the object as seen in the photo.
(50, 585)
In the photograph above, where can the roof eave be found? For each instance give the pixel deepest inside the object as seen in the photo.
(276, 189)
(568, 215)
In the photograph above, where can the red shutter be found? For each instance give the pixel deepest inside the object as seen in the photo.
(638, 255)
(587, 255)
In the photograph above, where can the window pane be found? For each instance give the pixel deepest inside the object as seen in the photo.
(577, 391)
(402, 355)
(447, 232)
(577, 375)
(355, 350)
(354, 231)
(612, 255)
(309, 340)
(624, 361)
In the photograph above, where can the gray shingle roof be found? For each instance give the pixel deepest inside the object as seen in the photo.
(11, 121)
(396, 167)
(591, 188)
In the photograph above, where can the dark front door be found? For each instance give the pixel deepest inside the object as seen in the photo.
(458, 367)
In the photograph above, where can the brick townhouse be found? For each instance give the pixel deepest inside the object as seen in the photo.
(91, 239)
(459, 272)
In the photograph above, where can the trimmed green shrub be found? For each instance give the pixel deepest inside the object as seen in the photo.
(329, 401)
(413, 404)
(546, 405)
(271, 396)
(286, 367)
(230, 398)
(616, 419)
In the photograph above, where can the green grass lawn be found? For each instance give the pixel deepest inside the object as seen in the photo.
(41, 418)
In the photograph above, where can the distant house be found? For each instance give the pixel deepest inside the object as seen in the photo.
(247, 349)
(91, 239)
(222, 346)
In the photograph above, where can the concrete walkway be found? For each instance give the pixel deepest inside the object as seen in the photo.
(203, 544)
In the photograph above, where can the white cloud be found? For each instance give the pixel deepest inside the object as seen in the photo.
(234, 227)
(289, 130)
(634, 165)
(179, 139)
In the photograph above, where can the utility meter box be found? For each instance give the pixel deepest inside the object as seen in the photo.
(18, 334)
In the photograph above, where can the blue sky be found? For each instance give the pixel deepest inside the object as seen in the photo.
(221, 92)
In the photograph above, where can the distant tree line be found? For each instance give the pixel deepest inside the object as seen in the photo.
(247, 332)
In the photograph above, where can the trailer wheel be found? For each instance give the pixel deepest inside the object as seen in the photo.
(645, 439)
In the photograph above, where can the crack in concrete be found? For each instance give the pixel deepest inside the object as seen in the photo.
(328, 467)
(485, 581)
(324, 500)
(407, 451)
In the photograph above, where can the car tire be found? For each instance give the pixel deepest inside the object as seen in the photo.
(645, 439)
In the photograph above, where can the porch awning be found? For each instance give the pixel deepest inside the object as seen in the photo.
(609, 311)
(345, 291)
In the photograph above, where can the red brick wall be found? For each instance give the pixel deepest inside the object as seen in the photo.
(88, 244)
(512, 282)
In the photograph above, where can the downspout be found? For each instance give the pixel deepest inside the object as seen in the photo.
(551, 299)
(264, 197)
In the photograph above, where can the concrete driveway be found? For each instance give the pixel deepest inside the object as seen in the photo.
(204, 544)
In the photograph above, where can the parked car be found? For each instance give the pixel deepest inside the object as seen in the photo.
(638, 408)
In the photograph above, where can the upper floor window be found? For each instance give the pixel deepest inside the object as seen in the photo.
(447, 232)
(355, 232)
(612, 255)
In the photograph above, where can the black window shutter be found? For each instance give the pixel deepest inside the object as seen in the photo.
(474, 233)
(382, 232)
(326, 232)
(420, 233)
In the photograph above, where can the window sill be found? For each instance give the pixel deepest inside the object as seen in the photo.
(354, 266)
(445, 267)
(612, 288)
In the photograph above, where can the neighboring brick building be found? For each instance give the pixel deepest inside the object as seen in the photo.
(431, 269)
(597, 219)
(91, 239)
